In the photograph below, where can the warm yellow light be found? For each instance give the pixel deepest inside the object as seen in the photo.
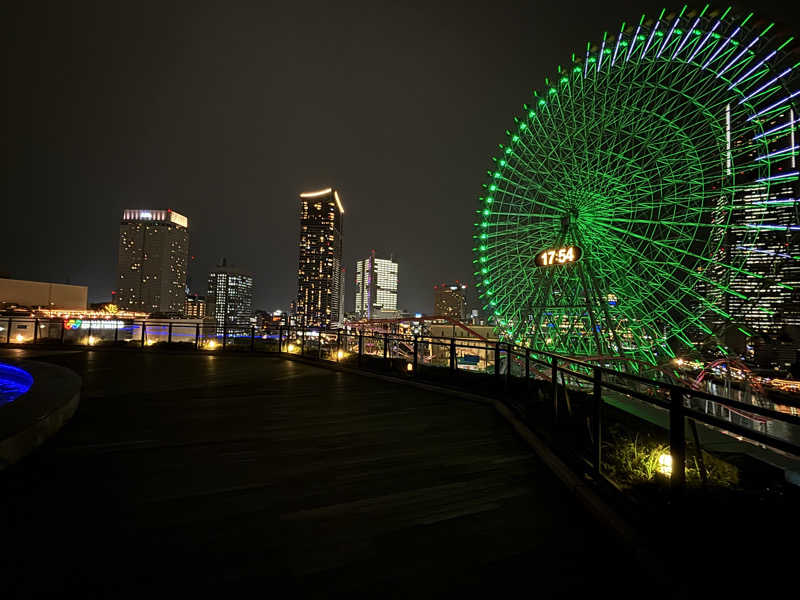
(409, 367)
(291, 348)
(338, 201)
(665, 464)
(92, 340)
(316, 194)
(679, 361)
(150, 342)
(211, 344)
(340, 354)
(20, 338)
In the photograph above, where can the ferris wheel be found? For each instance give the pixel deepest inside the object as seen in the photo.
(646, 192)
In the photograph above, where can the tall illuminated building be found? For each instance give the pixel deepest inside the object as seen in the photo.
(229, 298)
(153, 255)
(320, 273)
(376, 285)
(450, 300)
(763, 237)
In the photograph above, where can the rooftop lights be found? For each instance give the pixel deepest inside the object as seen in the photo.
(316, 194)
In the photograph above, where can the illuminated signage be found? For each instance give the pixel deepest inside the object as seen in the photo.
(558, 256)
(93, 324)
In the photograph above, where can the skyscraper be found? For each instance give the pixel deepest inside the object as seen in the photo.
(153, 252)
(376, 285)
(763, 237)
(230, 296)
(450, 300)
(320, 274)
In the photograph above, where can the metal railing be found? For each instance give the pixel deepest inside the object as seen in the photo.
(520, 377)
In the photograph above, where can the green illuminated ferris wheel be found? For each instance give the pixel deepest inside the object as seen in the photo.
(646, 192)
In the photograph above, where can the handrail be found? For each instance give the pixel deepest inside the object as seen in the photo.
(671, 396)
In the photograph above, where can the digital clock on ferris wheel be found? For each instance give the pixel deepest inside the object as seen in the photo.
(558, 256)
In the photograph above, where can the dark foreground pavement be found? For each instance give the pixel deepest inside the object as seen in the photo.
(247, 474)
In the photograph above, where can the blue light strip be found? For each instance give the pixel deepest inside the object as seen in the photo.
(777, 104)
(586, 62)
(722, 46)
(765, 86)
(746, 75)
(777, 177)
(669, 35)
(776, 227)
(650, 39)
(685, 39)
(785, 201)
(600, 56)
(619, 39)
(760, 251)
(738, 56)
(776, 129)
(705, 39)
(777, 152)
(633, 42)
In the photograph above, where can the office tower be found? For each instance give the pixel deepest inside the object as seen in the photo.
(450, 300)
(230, 297)
(762, 237)
(195, 306)
(153, 252)
(376, 286)
(320, 274)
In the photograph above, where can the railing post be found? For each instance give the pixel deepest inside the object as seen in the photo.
(452, 355)
(597, 421)
(338, 343)
(497, 361)
(252, 338)
(509, 357)
(527, 365)
(196, 335)
(280, 339)
(385, 346)
(302, 342)
(144, 333)
(319, 346)
(35, 330)
(554, 376)
(90, 333)
(360, 346)
(169, 333)
(8, 332)
(677, 439)
(416, 354)
(224, 335)
(116, 333)
(62, 333)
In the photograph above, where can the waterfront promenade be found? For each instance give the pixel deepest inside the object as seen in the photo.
(224, 474)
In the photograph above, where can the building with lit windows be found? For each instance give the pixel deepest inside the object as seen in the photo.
(320, 273)
(153, 256)
(229, 299)
(194, 307)
(376, 286)
(450, 300)
(763, 236)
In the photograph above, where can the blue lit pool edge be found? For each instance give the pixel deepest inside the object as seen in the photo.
(13, 382)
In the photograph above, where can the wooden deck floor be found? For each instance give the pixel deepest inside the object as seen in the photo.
(227, 473)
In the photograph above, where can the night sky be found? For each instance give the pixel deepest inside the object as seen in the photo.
(225, 111)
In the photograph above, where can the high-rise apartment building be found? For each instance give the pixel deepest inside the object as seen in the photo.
(230, 297)
(320, 274)
(450, 300)
(376, 286)
(153, 255)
